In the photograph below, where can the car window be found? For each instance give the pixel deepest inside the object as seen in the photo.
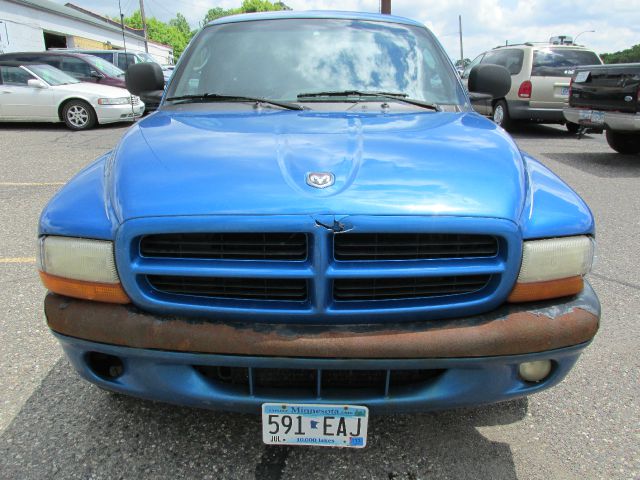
(108, 56)
(15, 76)
(125, 60)
(475, 62)
(49, 60)
(107, 68)
(509, 58)
(76, 67)
(292, 57)
(561, 62)
(52, 75)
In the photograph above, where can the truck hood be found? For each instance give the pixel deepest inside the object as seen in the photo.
(417, 163)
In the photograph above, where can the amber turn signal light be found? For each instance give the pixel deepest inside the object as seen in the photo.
(532, 291)
(99, 292)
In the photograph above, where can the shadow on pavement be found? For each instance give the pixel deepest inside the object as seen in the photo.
(71, 429)
(604, 165)
(540, 131)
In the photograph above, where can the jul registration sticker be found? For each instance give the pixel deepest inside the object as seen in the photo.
(319, 425)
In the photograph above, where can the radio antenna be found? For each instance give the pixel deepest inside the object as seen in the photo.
(124, 43)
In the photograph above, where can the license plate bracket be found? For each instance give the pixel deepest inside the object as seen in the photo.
(315, 424)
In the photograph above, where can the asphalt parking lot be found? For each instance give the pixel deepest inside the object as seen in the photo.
(54, 425)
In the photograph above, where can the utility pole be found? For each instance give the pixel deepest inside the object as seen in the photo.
(144, 26)
(385, 7)
(460, 30)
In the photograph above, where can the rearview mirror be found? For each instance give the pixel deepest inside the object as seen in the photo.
(33, 83)
(144, 77)
(487, 79)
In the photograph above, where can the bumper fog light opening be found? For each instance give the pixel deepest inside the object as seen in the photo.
(536, 371)
(105, 366)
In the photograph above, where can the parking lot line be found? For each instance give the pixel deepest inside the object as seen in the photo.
(30, 184)
(18, 260)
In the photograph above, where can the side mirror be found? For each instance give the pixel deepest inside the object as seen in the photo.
(144, 77)
(33, 83)
(96, 75)
(487, 79)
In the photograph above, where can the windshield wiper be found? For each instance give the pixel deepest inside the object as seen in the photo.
(400, 97)
(215, 97)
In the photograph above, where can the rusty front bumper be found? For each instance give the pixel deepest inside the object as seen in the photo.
(509, 330)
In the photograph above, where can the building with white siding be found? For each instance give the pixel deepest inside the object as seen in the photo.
(37, 25)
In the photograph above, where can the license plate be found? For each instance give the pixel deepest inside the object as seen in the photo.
(591, 117)
(597, 117)
(564, 91)
(319, 425)
(582, 77)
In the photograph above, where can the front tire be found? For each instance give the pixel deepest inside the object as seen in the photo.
(78, 115)
(501, 114)
(627, 143)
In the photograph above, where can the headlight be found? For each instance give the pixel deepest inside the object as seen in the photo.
(81, 268)
(553, 268)
(114, 101)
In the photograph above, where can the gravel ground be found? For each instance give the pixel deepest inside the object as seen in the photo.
(54, 425)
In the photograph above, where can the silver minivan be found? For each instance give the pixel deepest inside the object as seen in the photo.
(540, 77)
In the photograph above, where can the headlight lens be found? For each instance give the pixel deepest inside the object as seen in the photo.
(81, 268)
(556, 258)
(114, 101)
(553, 268)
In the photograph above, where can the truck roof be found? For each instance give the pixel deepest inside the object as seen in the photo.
(287, 14)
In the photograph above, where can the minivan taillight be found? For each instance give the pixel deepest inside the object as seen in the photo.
(570, 88)
(525, 89)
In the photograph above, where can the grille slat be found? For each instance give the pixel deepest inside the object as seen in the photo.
(226, 246)
(406, 288)
(232, 288)
(418, 246)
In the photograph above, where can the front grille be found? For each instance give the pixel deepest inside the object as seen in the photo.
(320, 380)
(406, 287)
(232, 288)
(290, 270)
(412, 246)
(226, 246)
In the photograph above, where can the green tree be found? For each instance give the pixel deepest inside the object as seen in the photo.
(630, 55)
(180, 22)
(218, 12)
(248, 6)
(175, 33)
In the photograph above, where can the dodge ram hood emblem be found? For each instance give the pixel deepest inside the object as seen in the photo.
(320, 179)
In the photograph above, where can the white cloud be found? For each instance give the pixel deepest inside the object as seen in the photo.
(486, 23)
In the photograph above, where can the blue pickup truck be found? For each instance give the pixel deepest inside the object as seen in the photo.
(315, 225)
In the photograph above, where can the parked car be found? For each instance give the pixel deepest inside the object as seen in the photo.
(344, 236)
(124, 60)
(607, 97)
(120, 58)
(42, 93)
(540, 75)
(85, 68)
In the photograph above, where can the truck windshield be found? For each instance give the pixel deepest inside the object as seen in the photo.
(281, 59)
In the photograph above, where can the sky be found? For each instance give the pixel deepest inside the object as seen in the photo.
(485, 23)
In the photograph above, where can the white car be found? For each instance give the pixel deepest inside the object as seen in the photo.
(42, 93)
